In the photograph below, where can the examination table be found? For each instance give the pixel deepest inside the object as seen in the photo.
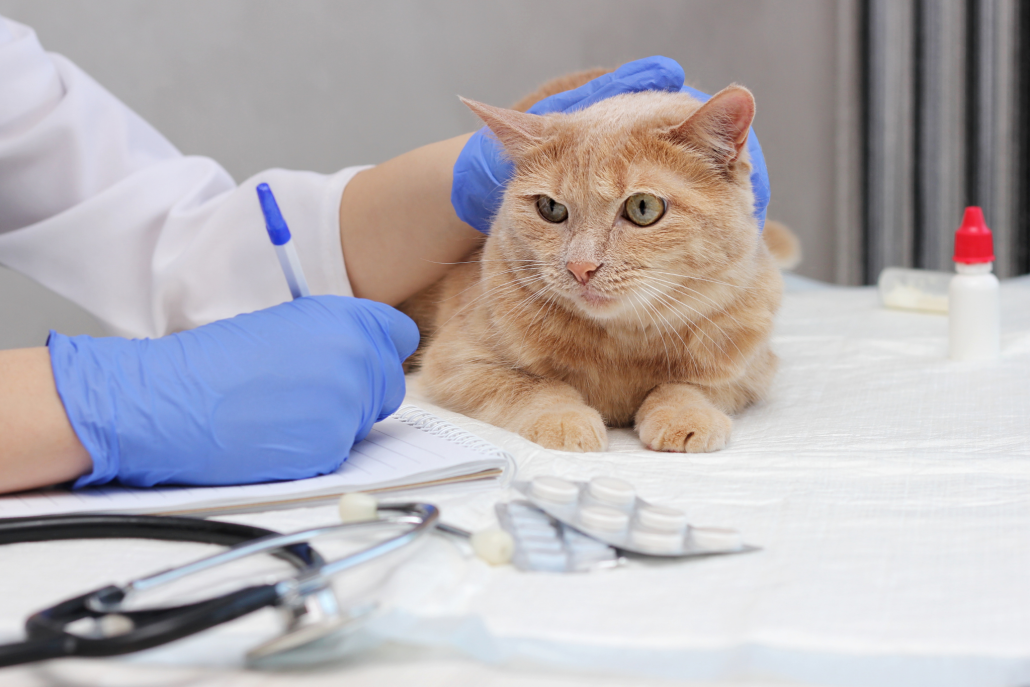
(888, 489)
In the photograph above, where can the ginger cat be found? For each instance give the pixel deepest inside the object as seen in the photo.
(624, 280)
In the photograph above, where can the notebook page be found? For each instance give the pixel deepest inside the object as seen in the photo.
(394, 454)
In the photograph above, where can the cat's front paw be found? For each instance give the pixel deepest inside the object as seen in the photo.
(693, 430)
(567, 429)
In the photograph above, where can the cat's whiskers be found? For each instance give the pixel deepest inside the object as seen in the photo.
(516, 310)
(646, 273)
(705, 317)
(636, 311)
(634, 301)
(516, 284)
(711, 281)
(471, 262)
(497, 333)
(686, 348)
(685, 288)
(687, 291)
(668, 325)
(658, 295)
(545, 307)
(476, 283)
(647, 309)
(674, 306)
(699, 334)
(533, 294)
(512, 285)
(663, 299)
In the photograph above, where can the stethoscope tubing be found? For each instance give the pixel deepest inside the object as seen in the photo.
(47, 638)
(47, 630)
(421, 517)
(151, 627)
(160, 527)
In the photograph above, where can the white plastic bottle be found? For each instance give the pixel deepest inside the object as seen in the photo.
(974, 317)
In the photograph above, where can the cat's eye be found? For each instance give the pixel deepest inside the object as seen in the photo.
(643, 209)
(551, 210)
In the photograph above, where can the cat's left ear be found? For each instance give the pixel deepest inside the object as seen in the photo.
(720, 126)
(516, 130)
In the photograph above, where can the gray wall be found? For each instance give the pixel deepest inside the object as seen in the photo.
(321, 84)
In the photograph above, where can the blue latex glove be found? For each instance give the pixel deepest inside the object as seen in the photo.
(481, 171)
(278, 394)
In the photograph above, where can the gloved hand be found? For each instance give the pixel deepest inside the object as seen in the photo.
(481, 171)
(278, 394)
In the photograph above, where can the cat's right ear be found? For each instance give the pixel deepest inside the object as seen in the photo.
(516, 130)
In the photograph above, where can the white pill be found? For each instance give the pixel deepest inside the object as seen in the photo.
(555, 489)
(603, 518)
(493, 546)
(358, 507)
(716, 538)
(662, 518)
(614, 491)
(660, 542)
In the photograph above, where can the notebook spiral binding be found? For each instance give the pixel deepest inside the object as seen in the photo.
(438, 427)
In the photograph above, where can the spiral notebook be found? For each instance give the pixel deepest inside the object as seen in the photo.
(410, 449)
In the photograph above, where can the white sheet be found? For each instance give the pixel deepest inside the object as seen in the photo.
(888, 488)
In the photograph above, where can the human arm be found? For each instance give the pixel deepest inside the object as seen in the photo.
(37, 443)
(398, 229)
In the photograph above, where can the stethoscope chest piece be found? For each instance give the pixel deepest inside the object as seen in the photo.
(310, 638)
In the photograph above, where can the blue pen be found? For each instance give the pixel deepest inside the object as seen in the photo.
(280, 235)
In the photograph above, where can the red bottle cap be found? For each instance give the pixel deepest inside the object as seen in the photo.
(973, 240)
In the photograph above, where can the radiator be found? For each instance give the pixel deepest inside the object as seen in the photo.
(934, 115)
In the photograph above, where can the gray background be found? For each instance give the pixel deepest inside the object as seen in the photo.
(319, 85)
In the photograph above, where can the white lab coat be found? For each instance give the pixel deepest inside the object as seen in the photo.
(96, 205)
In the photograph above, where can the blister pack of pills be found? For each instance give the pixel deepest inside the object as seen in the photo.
(545, 545)
(609, 510)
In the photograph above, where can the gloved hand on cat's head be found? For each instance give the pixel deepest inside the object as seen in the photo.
(278, 394)
(482, 170)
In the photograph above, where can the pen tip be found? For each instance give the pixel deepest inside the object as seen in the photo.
(276, 225)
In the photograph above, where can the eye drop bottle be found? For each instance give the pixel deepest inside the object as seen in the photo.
(974, 318)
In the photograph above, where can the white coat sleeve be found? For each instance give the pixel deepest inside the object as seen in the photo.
(97, 206)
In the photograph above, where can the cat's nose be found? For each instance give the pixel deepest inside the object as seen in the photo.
(582, 271)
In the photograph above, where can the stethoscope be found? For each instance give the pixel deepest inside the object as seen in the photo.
(99, 623)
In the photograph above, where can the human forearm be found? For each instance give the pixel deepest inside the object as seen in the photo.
(397, 226)
(37, 444)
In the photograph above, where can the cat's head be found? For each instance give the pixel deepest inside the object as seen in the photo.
(628, 202)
